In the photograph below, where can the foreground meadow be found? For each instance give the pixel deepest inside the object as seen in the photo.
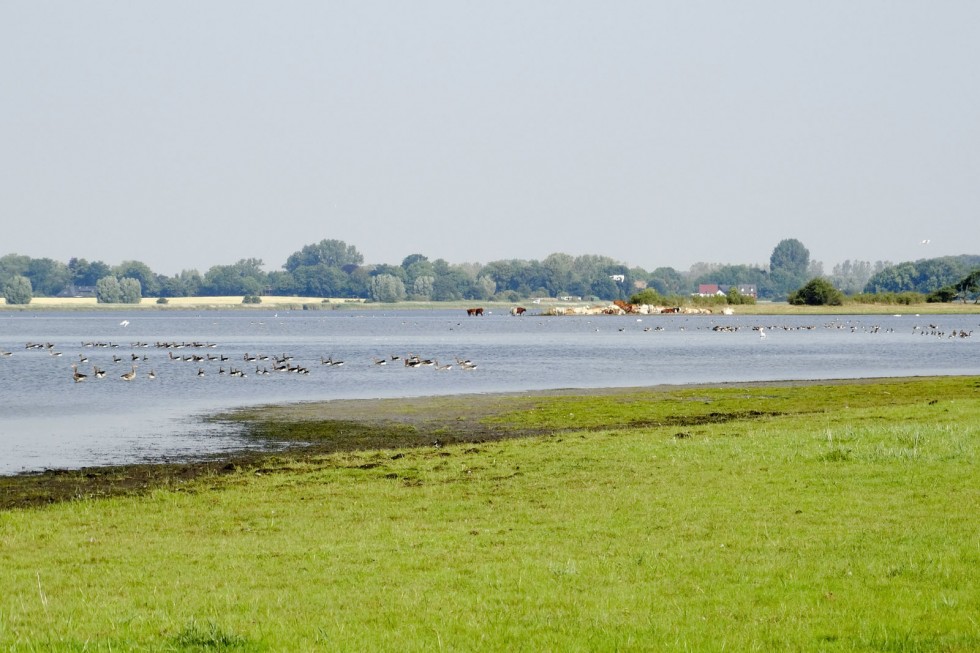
(821, 517)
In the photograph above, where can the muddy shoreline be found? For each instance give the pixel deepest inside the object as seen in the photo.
(306, 431)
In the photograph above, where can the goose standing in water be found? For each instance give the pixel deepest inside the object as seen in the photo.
(78, 376)
(130, 375)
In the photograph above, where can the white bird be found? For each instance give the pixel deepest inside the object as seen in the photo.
(124, 323)
(926, 241)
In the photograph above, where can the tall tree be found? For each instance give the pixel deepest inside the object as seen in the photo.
(142, 273)
(331, 253)
(48, 277)
(18, 290)
(788, 266)
(108, 290)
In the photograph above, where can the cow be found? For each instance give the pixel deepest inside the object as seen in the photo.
(518, 310)
(474, 311)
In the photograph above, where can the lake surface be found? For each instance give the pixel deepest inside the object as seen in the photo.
(47, 420)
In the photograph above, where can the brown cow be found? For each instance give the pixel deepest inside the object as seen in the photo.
(518, 310)
(474, 311)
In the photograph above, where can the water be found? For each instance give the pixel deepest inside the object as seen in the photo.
(47, 420)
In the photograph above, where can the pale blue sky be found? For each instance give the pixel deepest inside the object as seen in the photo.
(189, 134)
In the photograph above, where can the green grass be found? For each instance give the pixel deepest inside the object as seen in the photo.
(826, 517)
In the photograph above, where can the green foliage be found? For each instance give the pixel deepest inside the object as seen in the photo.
(387, 288)
(817, 292)
(970, 286)
(736, 298)
(83, 273)
(243, 278)
(788, 267)
(887, 298)
(108, 290)
(649, 297)
(923, 276)
(943, 295)
(142, 273)
(18, 290)
(162, 300)
(130, 291)
(328, 253)
(251, 299)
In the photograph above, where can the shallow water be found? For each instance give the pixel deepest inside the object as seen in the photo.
(47, 420)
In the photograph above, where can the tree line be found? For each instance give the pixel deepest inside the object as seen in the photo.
(333, 268)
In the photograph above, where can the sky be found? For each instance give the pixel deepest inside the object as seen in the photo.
(188, 134)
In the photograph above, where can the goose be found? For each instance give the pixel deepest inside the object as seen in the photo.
(200, 371)
(130, 375)
(380, 361)
(443, 368)
(82, 358)
(151, 375)
(78, 376)
(98, 372)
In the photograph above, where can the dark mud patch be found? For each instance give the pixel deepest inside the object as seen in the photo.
(303, 434)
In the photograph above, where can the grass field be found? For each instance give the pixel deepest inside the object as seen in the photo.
(818, 517)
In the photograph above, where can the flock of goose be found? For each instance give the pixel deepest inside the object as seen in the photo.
(199, 353)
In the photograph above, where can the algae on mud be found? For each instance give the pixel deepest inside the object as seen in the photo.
(310, 430)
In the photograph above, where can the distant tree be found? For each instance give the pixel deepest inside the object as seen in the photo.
(18, 290)
(48, 277)
(130, 291)
(393, 270)
(668, 281)
(970, 286)
(923, 276)
(817, 292)
(484, 287)
(604, 287)
(648, 296)
(331, 253)
(387, 288)
(413, 259)
(12, 265)
(140, 272)
(788, 266)
(84, 273)
(108, 290)
(186, 284)
(422, 287)
(243, 278)
(851, 276)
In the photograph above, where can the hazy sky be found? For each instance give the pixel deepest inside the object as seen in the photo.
(190, 134)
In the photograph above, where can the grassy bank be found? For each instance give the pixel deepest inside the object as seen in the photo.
(818, 517)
